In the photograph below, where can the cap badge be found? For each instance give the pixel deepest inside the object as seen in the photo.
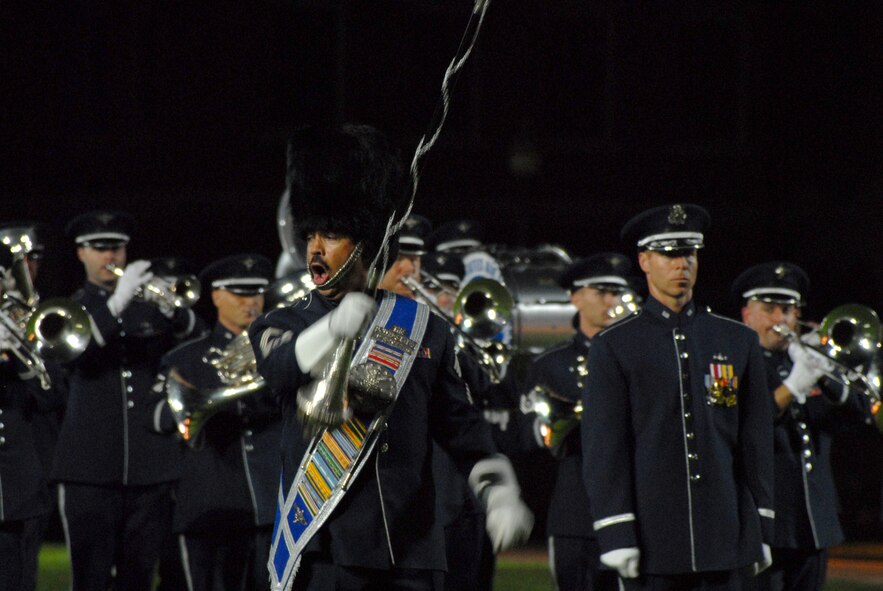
(248, 263)
(464, 227)
(411, 222)
(676, 215)
(780, 272)
(104, 218)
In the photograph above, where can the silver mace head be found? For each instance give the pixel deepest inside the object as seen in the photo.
(323, 403)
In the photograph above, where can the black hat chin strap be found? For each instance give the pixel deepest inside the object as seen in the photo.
(344, 270)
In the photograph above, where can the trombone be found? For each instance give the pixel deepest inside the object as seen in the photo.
(482, 309)
(181, 291)
(850, 339)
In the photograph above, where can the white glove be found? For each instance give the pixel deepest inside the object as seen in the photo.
(808, 369)
(346, 321)
(767, 561)
(623, 560)
(137, 273)
(508, 521)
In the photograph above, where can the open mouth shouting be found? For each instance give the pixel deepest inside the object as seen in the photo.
(319, 272)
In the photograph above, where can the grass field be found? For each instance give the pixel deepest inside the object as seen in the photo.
(512, 574)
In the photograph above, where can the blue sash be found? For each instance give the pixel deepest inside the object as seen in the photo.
(336, 456)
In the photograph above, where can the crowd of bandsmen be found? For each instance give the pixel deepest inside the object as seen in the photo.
(693, 450)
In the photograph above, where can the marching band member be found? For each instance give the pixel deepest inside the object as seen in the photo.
(677, 430)
(468, 550)
(44, 416)
(379, 529)
(24, 495)
(411, 249)
(226, 496)
(115, 473)
(595, 285)
(806, 506)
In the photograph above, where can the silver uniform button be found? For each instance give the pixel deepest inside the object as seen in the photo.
(130, 404)
(808, 466)
(807, 453)
(691, 436)
(684, 355)
(2, 440)
(248, 432)
(249, 447)
(696, 477)
(384, 448)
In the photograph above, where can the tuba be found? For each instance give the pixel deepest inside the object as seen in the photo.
(181, 291)
(849, 336)
(237, 369)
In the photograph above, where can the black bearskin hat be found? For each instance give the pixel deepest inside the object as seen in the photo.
(347, 180)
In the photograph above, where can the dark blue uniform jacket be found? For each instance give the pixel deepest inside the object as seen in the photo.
(388, 516)
(107, 437)
(23, 490)
(806, 498)
(560, 370)
(231, 477)
(688, 481)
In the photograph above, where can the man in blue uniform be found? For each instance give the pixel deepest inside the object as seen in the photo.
(226, 497)
(677, 426)
(595, 285)
(24, 495)
(807, 412)
(412, 247)
(382, 530)
(115, 472)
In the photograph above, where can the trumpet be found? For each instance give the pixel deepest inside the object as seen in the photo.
(237, 369)
(481, 310)
(181, 291)
(850, 340)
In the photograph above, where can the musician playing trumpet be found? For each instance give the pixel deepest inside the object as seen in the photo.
(226, 497)
(115, 474)
(806, 525)
(374, 527)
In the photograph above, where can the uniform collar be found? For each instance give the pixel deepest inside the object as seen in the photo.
(775, 355)
(221, 334)
(668, 316)
(94, 288)
(580, 338)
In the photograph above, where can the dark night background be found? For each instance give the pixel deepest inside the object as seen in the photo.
(571, 117)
